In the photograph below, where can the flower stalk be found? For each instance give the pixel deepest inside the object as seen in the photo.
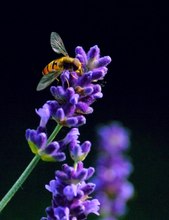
(54, 133)
(19, 182)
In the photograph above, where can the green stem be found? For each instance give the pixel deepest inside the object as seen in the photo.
(19, 182)
(54, 133)
(26, 172)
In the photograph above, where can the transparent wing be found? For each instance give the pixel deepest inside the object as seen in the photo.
(46, 80)
(57, 44)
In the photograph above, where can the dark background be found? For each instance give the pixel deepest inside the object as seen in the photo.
(135, 35)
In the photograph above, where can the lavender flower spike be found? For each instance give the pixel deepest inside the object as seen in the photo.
(70, 189)
(78, 91)
(113, 169)
(70, 194)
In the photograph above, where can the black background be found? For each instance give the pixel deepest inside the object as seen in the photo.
(135, 35)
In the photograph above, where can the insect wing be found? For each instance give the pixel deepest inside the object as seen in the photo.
(57, 44)
(46, 80)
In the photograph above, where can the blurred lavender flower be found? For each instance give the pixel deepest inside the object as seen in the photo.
(113, 169)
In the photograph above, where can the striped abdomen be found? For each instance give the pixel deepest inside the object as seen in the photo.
(63, 63)
(52, 66)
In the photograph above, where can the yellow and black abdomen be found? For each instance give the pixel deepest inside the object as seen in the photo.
(52, 66)
(63, 63)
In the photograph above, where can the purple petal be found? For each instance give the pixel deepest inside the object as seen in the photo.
(70, 191)
(86, 146)
(71, 122)
(81, 55)
(61, 213)
(61, 175)
(53, 106)
(88, 90)
(81, 120)
(69, 93)
(59, 156)
(94, 52)
(58, 92)
(53, 146)
(60, 115)
(81, 175)
(88, 188)
(75, 152)
(90, 171)
(82, 107)
(44, 114)
(74, 99)
(91, 206)
(98, 74)
(103, 61)
(40, 140)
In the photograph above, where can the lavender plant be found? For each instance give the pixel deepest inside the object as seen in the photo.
(72, 100)
(113, 168)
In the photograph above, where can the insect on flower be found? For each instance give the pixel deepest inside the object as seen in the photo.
(57, 66)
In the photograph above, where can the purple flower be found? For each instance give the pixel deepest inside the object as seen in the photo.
(79, 90)
(38, 145)
(44, 114)
(114, 138)
(70, 138)
(79, 152)
(70, 194)
(92, 59)
(112, 171)
(37, 140)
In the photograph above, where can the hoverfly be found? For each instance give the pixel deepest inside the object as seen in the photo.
(57, 66)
